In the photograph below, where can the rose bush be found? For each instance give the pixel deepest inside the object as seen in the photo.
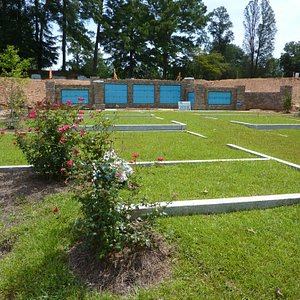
(57, 147)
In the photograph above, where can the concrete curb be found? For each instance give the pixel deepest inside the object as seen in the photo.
(265, 156)
(222, 205)
(17, 167)
(139, 127)
(268, 126)
(196, 134)
(174, 162)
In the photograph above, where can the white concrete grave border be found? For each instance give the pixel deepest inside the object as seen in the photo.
(267, 126)
(265, 156)
(221, 205)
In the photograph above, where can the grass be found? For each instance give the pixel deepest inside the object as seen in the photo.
(9, 152)
(217, 180)
(150, 145)
(242, 255)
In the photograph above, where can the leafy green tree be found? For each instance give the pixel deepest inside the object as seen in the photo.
(220, 29)
(68, 17)
(13, 69)
(93, 9)
(260, 30)
(125, 35)
(45, 51)
(16, 27)
(209, 66)
(236, 60)
(290, 59)
(176, 29)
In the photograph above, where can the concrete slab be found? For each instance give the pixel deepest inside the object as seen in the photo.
(174, 162)
(265, 156)
(268, 126)
(17, 167)
(138, 127)
(222, 205)
(196, 134)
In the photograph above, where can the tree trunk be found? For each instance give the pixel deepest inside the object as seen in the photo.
(165, 65)
(64, 35)
(95, 57)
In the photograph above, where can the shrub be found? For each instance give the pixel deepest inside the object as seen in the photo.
(13, 69)
(57, 147)
(106, 223)
(53, 135)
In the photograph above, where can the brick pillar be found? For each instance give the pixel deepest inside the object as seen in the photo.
(130, 93)
(50, 91)
(156, 93)
(97, 97)
(200, 97)
(240, 98)
(188, 85)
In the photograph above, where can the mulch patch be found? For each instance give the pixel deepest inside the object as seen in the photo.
(20, 186)
(123, 272)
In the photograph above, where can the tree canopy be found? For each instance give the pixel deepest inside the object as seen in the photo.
(141, 38)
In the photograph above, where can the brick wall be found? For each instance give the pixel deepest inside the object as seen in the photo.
(268, 101)
(242, 97)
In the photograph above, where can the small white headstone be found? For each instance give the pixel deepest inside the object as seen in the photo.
(184, 105)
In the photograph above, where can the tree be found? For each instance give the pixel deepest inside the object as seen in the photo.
(68, 17)
(16, 27)
(290, 59)
(13, 69)
(45, 50)
(126, 32)
(260, 30)
(209, 66)
(94, 9)
(220, 29)
(176, 29)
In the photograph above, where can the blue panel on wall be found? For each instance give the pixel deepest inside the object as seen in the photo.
(115, 93)
(191, 97)
(170, 94)
(75, 96)
(143, 93)
(219, 98)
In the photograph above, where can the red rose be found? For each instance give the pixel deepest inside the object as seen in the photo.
(55, 210)
(70, 163)
(63, 140)
(135, 155)
(32, 114)
(160, 158)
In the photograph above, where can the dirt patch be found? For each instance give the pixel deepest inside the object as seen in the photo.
(123, 272)
(20, 186)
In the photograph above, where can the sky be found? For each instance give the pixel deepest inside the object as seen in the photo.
(287, 15)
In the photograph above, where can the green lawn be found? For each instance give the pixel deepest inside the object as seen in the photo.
(242, 255)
